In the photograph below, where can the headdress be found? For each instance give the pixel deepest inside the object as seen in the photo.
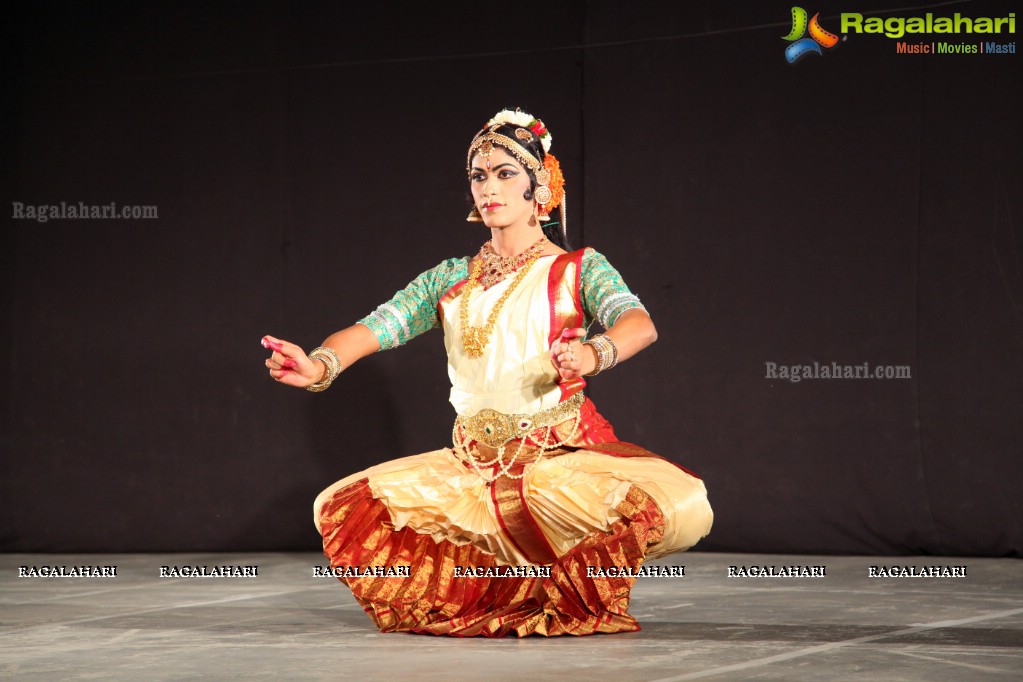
(550, 189)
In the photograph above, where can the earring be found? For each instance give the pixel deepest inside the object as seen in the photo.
(474, 216)
(543, 197)
(543, 194)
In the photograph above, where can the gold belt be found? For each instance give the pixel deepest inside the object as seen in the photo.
(494, 429)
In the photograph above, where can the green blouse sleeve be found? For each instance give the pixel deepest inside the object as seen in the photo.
(604, 292)
(413, 310)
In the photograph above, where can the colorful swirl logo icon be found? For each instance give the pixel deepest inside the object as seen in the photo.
(801, 46)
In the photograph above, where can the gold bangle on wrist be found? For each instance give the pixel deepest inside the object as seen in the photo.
(607, 353)
(331, 362)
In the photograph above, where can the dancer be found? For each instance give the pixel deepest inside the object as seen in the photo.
(536, 518)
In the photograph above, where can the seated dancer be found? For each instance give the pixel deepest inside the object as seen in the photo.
(507, 531)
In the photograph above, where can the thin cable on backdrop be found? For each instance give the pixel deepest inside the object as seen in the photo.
(506, 53)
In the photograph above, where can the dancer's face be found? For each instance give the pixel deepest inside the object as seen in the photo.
(499, 183)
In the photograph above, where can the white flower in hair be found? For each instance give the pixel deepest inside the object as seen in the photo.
(524, 120)
(519, 118)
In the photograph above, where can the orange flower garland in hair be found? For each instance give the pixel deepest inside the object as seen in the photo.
(557, 181)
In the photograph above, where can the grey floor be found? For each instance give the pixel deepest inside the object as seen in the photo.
(286, 624)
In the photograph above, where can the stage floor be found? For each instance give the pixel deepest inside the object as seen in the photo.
(286, 624)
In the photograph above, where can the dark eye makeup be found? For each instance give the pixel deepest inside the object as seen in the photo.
(503, 174)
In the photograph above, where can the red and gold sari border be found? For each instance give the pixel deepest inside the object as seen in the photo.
(566, 311)
(430, 599)
(516, 520)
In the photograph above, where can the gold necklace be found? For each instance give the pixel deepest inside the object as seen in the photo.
(495, 267)
(475, 339)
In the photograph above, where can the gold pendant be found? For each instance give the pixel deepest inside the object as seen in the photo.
(474, 340)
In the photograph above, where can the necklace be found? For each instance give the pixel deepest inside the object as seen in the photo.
(496, 268)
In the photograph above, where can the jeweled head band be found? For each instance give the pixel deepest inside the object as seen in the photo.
(484, 142)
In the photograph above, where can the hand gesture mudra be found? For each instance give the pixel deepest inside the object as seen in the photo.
(290, 365)
(568, 355)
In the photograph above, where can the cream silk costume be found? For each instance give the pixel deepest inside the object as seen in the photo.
(594, 502)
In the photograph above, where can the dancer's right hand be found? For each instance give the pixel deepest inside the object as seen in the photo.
(290, 365)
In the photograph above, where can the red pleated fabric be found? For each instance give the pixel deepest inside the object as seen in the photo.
(357, 532)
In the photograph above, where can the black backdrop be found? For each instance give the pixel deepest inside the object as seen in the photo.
(307, 160)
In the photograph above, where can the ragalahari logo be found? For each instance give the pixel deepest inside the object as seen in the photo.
(801, 46)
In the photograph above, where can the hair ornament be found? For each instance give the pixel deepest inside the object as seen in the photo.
(484, 144)
(550, 191)
(523, 120)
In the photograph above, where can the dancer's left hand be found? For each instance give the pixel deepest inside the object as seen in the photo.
(569, 356)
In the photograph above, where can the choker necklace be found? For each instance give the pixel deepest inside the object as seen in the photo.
(493, 268)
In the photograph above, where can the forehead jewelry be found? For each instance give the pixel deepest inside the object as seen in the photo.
(484, 145)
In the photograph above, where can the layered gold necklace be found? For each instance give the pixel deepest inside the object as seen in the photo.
(488, 269)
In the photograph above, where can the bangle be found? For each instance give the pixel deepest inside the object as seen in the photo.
(607, 353)
(331, 362)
